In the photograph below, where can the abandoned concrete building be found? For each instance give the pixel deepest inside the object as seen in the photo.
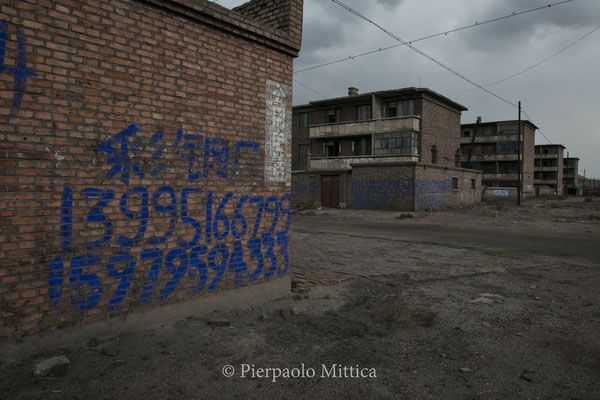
(549, 169)
(393, 149)
(571, 176)
(129, 131)
(493, 148)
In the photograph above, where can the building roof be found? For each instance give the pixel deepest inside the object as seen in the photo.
(525, 121)
(550, 145)
(384, 94)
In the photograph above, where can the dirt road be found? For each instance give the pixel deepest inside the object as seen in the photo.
(491, 302)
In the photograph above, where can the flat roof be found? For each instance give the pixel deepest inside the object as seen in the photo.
(384, 94)
(550, 145)
(526, 121)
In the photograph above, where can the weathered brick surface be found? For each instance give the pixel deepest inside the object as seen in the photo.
(394, 186)
(132, 156)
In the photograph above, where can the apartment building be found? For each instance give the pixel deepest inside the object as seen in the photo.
(570, 176)
(549, 163)
(493, 148)
(393, 149)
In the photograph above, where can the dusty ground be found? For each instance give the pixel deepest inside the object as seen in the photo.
(491, 302)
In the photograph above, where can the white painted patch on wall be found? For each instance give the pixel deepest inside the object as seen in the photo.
(278, 133)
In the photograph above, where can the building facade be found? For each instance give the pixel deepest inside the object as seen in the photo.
(146, 151)
(571, 176)
(493, 148)
(549, 169)
(395, 149)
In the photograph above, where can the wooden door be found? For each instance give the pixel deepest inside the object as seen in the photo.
(330, 191)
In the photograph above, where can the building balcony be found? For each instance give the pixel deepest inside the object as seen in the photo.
(492, 157)
(546, 156)
(508, 177)
(544, 181)
(345, 163)
(358, 128)
(490, 139)
(546, 169)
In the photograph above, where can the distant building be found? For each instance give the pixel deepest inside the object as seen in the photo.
(549, 169)
(492, 147)
(570, 176)
(394, 149)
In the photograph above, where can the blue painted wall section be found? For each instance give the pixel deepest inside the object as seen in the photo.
(20, 70)
(225, 232)
(381, 193)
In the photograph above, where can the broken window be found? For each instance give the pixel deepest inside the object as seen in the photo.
(363, 112)
(333, 116)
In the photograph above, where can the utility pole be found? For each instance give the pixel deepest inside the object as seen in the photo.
(583, 184)
(519, 150)
(473, 142)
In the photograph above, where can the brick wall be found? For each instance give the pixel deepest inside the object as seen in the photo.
(141, 152)
(435, 187)
(394, 186)
(382, 187)
(528, 159)
(306, 189)
(440, 126)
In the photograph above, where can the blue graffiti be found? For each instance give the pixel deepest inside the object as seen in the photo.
(260, 246)
(20, 71)
(378, 193)
(368, 193)
(303, 188)
(201, 154)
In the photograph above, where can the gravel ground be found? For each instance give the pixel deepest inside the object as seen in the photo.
(416, 320)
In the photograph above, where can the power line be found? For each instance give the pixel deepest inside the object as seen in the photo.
(514, 14)
(539, 130)
(410, 46)
(534, 65)
(306, 87)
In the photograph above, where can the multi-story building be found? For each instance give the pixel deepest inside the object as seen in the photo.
(394, 149)
(570, 176)
(549, 168)
(493, 148)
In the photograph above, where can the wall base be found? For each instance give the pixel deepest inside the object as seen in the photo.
(80, 335)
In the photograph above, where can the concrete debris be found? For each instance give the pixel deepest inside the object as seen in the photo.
(110, 351)
(214, 322)
(466, 369)
(298, 311)
(54, 366)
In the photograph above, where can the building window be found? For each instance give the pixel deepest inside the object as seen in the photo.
(363, 113)
(457, 158)
(333, 116)
(303, 151)
(332, 148)
(473, 184)
(508, 128)
(361, 147)
(434, 154)
(467, 132)
(454, 183)
(396, 143)
(303, 120)
(508, 147)
(398, 108)
(489, 131)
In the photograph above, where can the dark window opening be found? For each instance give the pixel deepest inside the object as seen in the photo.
(361, 147)
(303, 120)
(333, 116)
(363, 112)
(434, 154)
(332, 149)
(454, 183)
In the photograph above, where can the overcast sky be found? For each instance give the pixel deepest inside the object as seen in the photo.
(560, 95)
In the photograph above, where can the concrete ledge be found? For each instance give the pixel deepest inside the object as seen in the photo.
(80, 335)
